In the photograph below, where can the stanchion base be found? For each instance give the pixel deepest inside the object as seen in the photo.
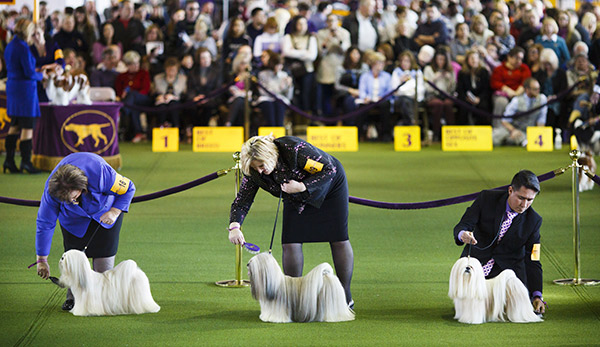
(577, 282)
(233, 283)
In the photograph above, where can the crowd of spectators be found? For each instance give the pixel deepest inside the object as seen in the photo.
(328, 58)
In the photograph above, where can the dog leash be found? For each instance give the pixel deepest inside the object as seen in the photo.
(91, 237)
(275, 224)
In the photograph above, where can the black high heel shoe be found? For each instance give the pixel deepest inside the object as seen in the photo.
(29, 168)
(11, 167)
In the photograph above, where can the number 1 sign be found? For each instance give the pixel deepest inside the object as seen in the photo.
(165, 140)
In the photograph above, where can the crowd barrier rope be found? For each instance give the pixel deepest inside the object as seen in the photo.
(473, 109)
(186, 105)
(352, 114)
(352, 199)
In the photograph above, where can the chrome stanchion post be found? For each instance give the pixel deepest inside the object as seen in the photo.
(238, 282)
(576, 280)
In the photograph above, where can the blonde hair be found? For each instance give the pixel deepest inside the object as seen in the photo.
(259, 148)
(552, 22)
(547, 55)
(131, 57)
(24, 29)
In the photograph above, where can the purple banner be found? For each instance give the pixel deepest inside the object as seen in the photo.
(63, 130)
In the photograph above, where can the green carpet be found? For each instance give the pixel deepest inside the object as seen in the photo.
(402, 258)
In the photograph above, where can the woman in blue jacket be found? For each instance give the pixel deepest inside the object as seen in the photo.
(22, 104)
(87, 196)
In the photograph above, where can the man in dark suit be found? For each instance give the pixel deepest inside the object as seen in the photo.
(362, 26)
(508, 232)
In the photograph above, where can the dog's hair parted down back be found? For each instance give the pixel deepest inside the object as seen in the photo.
(477, 300)
(122, 290)
(316, 297)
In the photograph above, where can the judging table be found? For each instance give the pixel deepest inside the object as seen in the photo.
(62, 130)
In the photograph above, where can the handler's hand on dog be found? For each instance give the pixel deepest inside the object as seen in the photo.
(539, 306)
(110, 216)
(467, 237)
(292, 187)
(43, 270)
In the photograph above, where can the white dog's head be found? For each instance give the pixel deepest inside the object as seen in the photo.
(467, 280)
(74, 269)
(265, 276)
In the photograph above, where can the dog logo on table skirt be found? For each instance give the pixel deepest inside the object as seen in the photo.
(477, 300)
(122, 290)
(316, 297)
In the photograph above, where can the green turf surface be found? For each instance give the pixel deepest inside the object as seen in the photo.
(402, 258)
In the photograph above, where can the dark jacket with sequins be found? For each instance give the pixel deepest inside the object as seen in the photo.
(296, 157)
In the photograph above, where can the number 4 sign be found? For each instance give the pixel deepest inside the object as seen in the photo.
(407, 138)
(165, 140)
(539, 139)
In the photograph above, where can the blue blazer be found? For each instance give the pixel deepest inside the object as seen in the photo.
(21, 85)
(106, 189)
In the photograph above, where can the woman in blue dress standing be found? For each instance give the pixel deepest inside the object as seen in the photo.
(22, 104)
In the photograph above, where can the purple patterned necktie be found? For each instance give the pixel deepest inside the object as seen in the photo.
(503, 228)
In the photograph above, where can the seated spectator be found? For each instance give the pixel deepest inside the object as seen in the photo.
(579, 100)
(132, 88)
(507, 80)
(480, 33)
(388, 52)
(256, 23)
(533, 57)
(433, 32)
(169, 89)
(278, 82)
(346, 83)
(566, 29)
(68, 37)
(362, 26)
(489, 55)
(107, 35)
(549, 39)
(236, 37)
(403, 40)
(461, 43)
(269, 39)
(502, 37)
(553, 80)
(128, 30)
(531, 29)
(299, 48)
(440, 73)
(204, 78)
(83, 25)
(106, 74)
(413, 89)
(201, 38)
(513, 131)
(372, 86)
(473, 86)
(241, 70)
(154, 50)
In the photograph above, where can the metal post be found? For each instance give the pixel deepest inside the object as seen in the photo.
(576, 280)
(247, 106)
(238, 282)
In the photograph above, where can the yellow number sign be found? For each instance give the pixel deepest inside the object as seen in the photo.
(467, 138)
(218, 139)
(165, 140)
(407, 138)
(539, 139)
(277, 131)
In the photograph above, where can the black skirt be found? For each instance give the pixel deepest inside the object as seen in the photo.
(329, 223)
(104, 243)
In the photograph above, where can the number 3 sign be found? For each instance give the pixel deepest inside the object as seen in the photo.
(407, 138)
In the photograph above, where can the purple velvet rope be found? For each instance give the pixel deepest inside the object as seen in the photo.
(334, 119)
(141, 198)
(480, 112)
(188, 104)
(596, 179)
(434, 203)
(352, 199)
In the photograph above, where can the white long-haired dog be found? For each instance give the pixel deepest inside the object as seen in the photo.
(477, 300)
(123, 290)
(316, 297)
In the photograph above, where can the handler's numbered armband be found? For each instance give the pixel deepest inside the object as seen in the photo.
(313, 166)
(535, 252)
(121, 185)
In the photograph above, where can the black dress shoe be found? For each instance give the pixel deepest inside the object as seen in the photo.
(68, 305)
(29, 168)
(11, 167)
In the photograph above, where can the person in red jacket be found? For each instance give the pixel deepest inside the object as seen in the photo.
(507, 79)
(132, 88)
